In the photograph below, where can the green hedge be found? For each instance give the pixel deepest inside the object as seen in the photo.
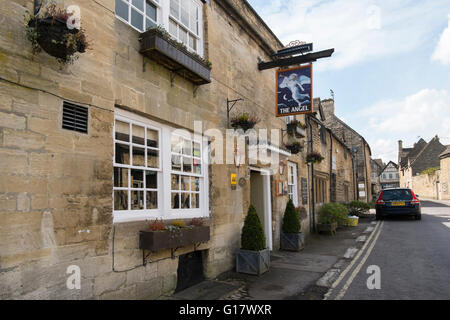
(252, 237)
(291, 219)
(333, 212)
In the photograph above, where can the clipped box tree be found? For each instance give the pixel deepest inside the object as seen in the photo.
(254, 256)
(291, 238)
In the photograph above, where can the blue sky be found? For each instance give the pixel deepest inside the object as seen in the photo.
(390, 72)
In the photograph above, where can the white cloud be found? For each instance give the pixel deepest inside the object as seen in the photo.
(423, 114)
(442, 51)
(359, 30)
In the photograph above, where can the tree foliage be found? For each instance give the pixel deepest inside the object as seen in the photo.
(252, 237)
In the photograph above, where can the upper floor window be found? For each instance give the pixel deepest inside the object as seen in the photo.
(181, 18)
(140, 14)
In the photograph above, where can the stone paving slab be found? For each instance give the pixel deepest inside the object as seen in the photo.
(206, 290)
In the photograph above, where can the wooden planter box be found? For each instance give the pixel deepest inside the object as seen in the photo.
(160, 240)
(252, 262)
(178, 60)
(292, 241)
(331, 228)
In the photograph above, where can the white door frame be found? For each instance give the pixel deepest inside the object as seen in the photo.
(293, 165)
(265, 173)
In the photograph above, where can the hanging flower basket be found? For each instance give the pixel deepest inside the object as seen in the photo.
(314, 157)
(244, 121)
(296, 128)
(50, 33)
(294, 147)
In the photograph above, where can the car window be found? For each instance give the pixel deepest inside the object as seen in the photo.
(401, 194)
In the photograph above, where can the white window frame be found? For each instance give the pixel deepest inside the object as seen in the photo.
(163, 17)
(294, 194)
(164, 210)
(144, 13)
(289, 119)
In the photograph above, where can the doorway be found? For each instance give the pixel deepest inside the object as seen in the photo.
(260, 194)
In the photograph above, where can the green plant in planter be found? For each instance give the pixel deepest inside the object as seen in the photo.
(333, 212)
(252, 237)
(357, 208)
(314, 157)
(244, 121)
(291, 219)
(49, 32)
(294, 147)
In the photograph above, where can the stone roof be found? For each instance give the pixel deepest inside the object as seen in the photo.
(412, 153)
(446, 153)
(428, 157)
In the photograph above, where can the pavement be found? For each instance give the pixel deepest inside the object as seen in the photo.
(305, 275)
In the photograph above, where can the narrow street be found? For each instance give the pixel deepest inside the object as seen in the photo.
(413, 258)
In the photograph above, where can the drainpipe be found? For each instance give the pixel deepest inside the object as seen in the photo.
(365, 171)
(331, 163)
(312, 205)
(355, 192)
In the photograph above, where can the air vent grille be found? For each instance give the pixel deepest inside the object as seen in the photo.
(75, 117)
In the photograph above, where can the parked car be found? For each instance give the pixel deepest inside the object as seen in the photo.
(398, 201)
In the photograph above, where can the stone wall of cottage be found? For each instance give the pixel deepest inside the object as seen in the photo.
(445, 178)
(56, 185)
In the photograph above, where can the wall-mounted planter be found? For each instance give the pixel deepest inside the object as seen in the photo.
(294, 148)
(252, 262)
(182, 62)
(55, 38)
(292, 241)
(294, 130)
(160, 240)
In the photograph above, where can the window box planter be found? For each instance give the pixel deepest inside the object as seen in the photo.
(160, 240)
(157, 47)
(295, 130)
(330, 228)
(252, 262)
(292, 241)
(53, 37)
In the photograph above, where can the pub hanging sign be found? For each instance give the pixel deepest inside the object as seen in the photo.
(294, 91)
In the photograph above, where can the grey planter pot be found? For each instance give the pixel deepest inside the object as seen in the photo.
(252, 262)
(292, 241)
(176, 59)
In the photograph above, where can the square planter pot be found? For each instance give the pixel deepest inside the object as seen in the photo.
(252, 262)
(178, 60)
(330, 228)
(160, 240)
(292, 241)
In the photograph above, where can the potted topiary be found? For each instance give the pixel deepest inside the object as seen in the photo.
(244, 121)
(254, 256)
(291, 238)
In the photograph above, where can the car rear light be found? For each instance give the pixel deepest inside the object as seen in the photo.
(380, 198)
(414, 199)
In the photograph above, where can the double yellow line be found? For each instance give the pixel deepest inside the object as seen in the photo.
(375, 234)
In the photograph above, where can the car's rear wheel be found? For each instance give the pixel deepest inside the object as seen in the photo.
(419, 217)
(378, 217)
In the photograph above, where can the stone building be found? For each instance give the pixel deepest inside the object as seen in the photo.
(445, 174)
(414, 163)
(377, 166)
(389, 177)
(359, 146)
(78, 193)
(333, 177)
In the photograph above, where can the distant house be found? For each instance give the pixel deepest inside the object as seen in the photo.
(377, 166)
(389, 177)
(413, 161)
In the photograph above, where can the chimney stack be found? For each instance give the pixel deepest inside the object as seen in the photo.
(400, 146)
